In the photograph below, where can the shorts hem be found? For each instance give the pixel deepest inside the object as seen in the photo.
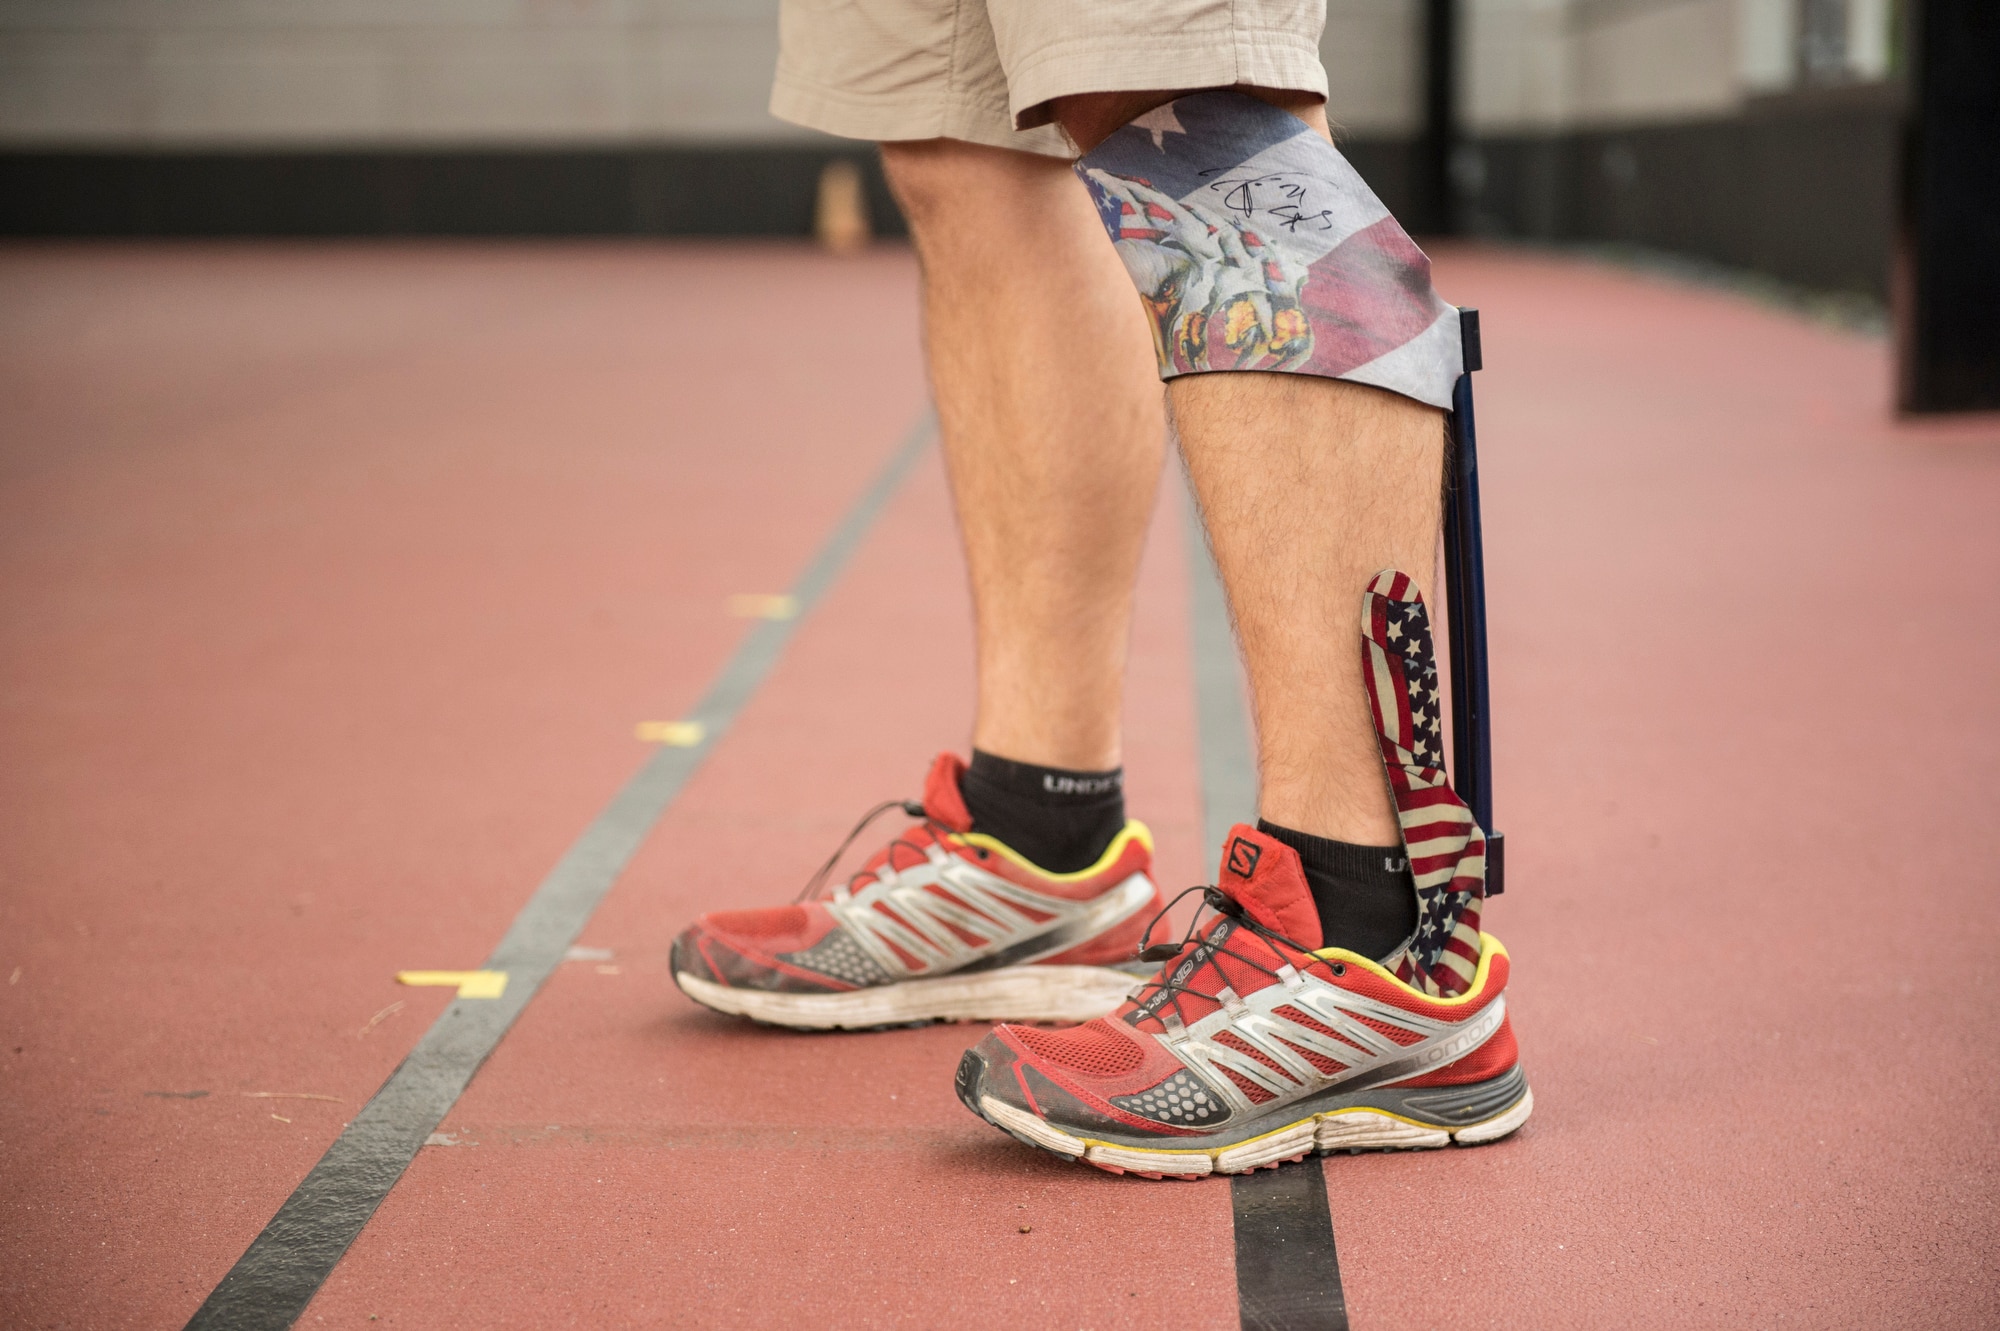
(1265, 59)
(899, 119)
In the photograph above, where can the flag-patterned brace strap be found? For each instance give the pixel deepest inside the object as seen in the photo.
(1256, 246)
(1446, 848)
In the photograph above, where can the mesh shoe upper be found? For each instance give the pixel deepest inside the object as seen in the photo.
(1253, 1016)
(1249, 1017)
(938, 898)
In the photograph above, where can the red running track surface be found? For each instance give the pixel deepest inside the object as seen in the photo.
(334, 579)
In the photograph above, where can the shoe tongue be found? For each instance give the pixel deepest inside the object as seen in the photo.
(942, 800)
(1263, 875)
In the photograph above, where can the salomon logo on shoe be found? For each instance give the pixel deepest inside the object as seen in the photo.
(1243, 857)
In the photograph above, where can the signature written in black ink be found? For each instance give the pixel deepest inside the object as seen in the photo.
(1292, 219)
(1252, 194)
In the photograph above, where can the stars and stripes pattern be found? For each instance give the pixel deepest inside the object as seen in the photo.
(1256, 246)
(1446, 848)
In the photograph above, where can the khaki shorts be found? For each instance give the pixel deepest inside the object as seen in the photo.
(986, 70)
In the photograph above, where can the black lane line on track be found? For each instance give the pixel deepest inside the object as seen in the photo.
(1287, 1270)
(276, 1278)
(1287, 1273)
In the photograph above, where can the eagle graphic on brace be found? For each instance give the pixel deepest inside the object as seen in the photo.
(1218, 296)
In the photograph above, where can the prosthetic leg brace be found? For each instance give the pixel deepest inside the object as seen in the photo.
(1465, 608)
(1256, 246)
(1445, 844)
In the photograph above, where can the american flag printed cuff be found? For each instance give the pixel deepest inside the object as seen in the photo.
(1445, 846)
(1256, 246)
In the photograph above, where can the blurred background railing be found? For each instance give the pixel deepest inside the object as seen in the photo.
(1761, 133)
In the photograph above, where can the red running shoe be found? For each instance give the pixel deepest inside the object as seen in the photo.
(942, 924)
(1255, 1046)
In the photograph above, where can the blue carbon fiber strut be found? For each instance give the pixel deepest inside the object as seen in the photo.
(1465, 600)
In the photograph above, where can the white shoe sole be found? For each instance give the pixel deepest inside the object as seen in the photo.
(1340, 1130)
(1011, 993)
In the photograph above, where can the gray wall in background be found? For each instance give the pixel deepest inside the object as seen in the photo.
(1672, 123)
(1799, 185)
(466, 117)
(265, 74)
(1758, 133)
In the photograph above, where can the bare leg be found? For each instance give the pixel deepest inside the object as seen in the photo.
(1053, 428)
(1308, 487)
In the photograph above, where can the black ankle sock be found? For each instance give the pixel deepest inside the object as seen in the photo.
(1061, 820)
(1366, 897)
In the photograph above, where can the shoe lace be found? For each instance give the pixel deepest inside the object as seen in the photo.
(1212, 898)
(914, 808)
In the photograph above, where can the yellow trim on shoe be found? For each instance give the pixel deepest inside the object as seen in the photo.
(1489, 947)
(1309, 1118)
(1213, 1151)
(1181, 1160)
(1134, 830)
(1171, 1160)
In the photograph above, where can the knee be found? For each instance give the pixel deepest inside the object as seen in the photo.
(942, 183)
(918, 175)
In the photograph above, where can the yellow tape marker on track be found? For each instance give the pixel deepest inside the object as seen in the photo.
(470, 984)
(759, 605)
(676, 734)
